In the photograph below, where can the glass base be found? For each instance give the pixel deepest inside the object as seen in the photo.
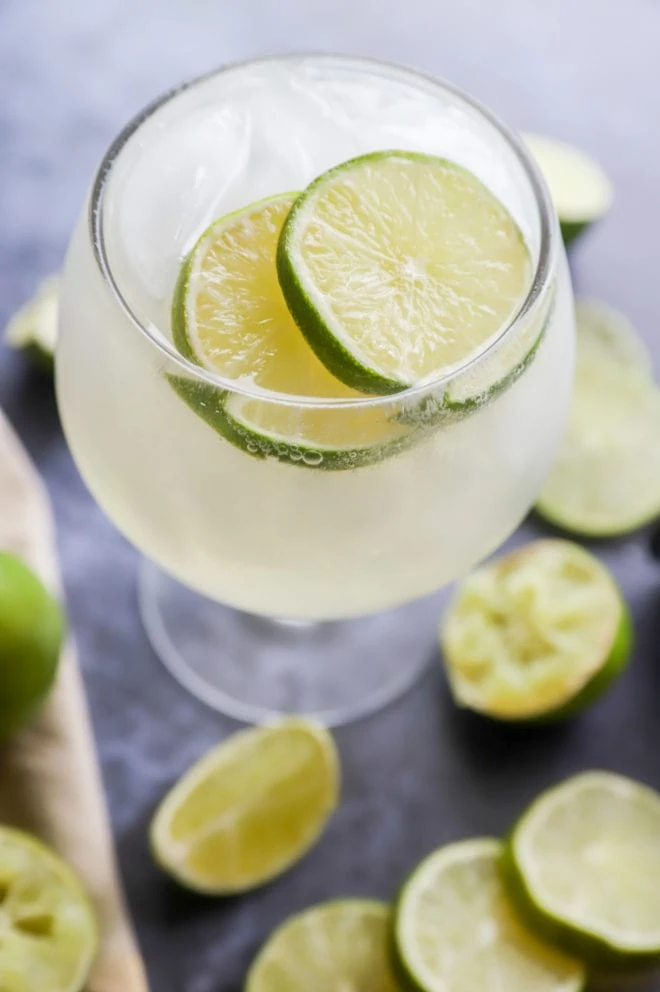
(256, 669)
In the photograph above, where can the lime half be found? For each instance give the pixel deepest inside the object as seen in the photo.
(455, 930)
(249, 809)
(230, 317)
(606, 478)
(49, 935)
(583, 865)
(34, 326)
(536, 635)
(398, 266)
(580, 189)
(334, 947)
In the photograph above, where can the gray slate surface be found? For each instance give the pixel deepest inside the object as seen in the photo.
(418, 774)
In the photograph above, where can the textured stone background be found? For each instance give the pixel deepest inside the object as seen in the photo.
(71, 73)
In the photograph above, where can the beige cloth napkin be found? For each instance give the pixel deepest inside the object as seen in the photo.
(50, 781)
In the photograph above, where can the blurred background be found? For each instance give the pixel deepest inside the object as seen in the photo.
(71, 74)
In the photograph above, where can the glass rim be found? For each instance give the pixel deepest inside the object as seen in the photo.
(543, 270)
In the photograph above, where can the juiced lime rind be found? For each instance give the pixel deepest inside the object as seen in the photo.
(299, 293)
(330, 932)
(598, 952)
(600, 683)
(170, 855)
(72, 917)
(210, 404)
(580, 686)
(33, 328)
(580, 189)
(409, 972)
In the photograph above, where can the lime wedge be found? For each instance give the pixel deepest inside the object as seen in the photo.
(34, 326)
(249, 809)
(334, 947)
(583, 865)
(398, 266)
(455, 930)
(579, 187)
(538, 634)
(49, 933)
(229, 316)
(606, 478)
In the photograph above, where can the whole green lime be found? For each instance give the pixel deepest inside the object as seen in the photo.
(32, 627)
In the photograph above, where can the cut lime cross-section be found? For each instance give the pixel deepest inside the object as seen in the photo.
(456, 931)
(48, 933)
(249, 809)
(583, 865)
(606, 478)
(538, 634)
(230, 317)
(580, 189)
(399, 266)
(335, 947)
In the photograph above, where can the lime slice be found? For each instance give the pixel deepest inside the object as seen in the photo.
(455, 930)
(538, 634)
(32, 627)
(607, 337)
(579, 187)
(398, 266)
(49, 934)
(606, 478)
(34, 326)
(583, 865)
(229, 316)
(249, 809)
(334, 947)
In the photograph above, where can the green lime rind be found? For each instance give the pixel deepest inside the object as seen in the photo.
(336, 358)
(600, 954)
(210, 404)
(348, 935)
(571, 230)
